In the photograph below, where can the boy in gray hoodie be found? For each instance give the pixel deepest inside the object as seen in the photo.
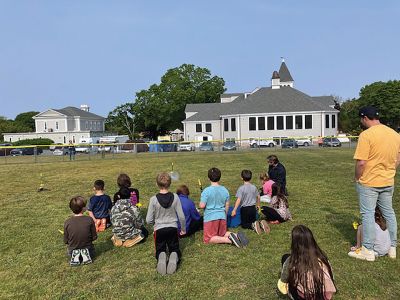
(163, 212)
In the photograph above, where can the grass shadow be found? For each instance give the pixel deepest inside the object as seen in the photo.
(343, 222)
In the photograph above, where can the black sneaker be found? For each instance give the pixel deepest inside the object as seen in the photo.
(243, 239)
(234, 239)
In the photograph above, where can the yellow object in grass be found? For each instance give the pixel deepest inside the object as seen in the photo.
(355, 225)
(61, 231)
(139, 204)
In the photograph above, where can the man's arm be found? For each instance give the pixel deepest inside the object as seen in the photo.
(359, 170)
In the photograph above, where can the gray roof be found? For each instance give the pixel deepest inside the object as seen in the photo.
(76, 112)
(226, 95)
(284, 73)
(326, 100)
(264, 100)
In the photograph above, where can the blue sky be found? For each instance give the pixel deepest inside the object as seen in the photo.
(65, 53)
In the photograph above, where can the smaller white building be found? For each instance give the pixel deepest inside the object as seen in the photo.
(63, 125)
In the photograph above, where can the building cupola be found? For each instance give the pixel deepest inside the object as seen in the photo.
(275, 80)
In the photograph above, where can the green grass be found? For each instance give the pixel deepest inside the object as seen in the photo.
(322, 196)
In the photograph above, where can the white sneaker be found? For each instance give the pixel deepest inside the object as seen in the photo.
(392, 252)
(363, 253)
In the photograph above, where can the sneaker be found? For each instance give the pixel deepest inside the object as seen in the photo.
(363, 253)
(243, 239)
(234, 239)
(75, 257)
(116, 241)
(162, 263)
(256, 227)
(172, 263)
(86, 259)
(133, 241)
(264, 226)
(392, 252)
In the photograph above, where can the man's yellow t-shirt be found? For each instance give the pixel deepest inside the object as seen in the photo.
(379, 146)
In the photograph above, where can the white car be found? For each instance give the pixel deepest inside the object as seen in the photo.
(255, 143)
(304, 142)
(185, 146)
(343, 138)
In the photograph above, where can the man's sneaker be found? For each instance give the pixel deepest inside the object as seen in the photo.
(264, 226)
(162, 263)
(133, 241)
(172, 263)
(392, 252)
(243, 239)
(86, 259)
(256, 227)
(363, 253)
(234, 239)
(116, 241)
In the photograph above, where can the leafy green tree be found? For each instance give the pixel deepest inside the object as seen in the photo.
(162, 107)
(386, 97)
(122, 120)
(9, 126)
(349, 121)
(25, 119)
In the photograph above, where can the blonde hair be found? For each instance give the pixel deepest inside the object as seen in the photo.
(163, 180)
(264, 176)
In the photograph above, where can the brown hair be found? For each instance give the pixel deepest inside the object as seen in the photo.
(163, 180)
(264, 176)
(124, 180)
(99, 185)
(379, 219)
(246, 175)
(214, 174)
(183, 190)
(77, 204)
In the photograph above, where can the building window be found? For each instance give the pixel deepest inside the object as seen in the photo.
(279, 122)
(308, 121)
(233, 124)
(261, 123)
(56, 125)
(45, 125)
(252, 123)
(333, 121)
(326, 121)
(270, 123)
(226, 125)
(289, 122)
(299, 122)
(208, 127)
(87, 125)
(198, 127)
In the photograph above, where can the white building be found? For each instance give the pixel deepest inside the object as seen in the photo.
(63, 125)
(267, 112)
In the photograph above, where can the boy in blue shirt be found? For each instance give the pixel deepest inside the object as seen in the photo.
(100, 206)
(194, 222)
(215, 201)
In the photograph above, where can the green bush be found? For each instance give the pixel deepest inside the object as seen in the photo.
(29, 142)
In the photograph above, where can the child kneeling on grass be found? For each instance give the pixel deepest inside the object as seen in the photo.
(194, 222)
(306, 272)
(278, 209)
(248, 199)
(128, 228)
(99, 206)
(164, 211)
(382, 237)
(79, 234)
(215, 201)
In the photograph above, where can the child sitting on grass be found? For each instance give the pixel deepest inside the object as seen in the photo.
(79, 233)
(306, 272)
(266, 189)
(164, 211)
(248, 199)
(278, 209)
(124, 180)
(127, 222)
(100, 206)
(215, 201)
(194, 222)
(382, 237)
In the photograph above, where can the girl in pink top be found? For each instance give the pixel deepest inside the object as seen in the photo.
(266, 187)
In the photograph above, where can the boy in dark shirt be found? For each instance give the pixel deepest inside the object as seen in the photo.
(79, 230)
(100, 206)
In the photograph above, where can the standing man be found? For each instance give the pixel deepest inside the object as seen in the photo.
(71, 150)
(277, 172)
(377, 157)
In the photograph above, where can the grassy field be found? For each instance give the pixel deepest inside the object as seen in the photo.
(322, 196)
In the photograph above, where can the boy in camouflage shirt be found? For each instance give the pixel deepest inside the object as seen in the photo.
(127, 222)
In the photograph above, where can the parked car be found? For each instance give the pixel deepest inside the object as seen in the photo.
(289, 143)
(206, 146)
(229, 146)
(185, 146)
(25, 151)
(255, 143)
(61, 151)
(331, 142)
(141, 146)
(342, 137)
(5, 151)
(303, 142)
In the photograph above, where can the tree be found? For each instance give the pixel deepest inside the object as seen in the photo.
(349, 121)
(9, 126)
(25, 119)
(386, 97)
(122, 120)
(162, 107)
